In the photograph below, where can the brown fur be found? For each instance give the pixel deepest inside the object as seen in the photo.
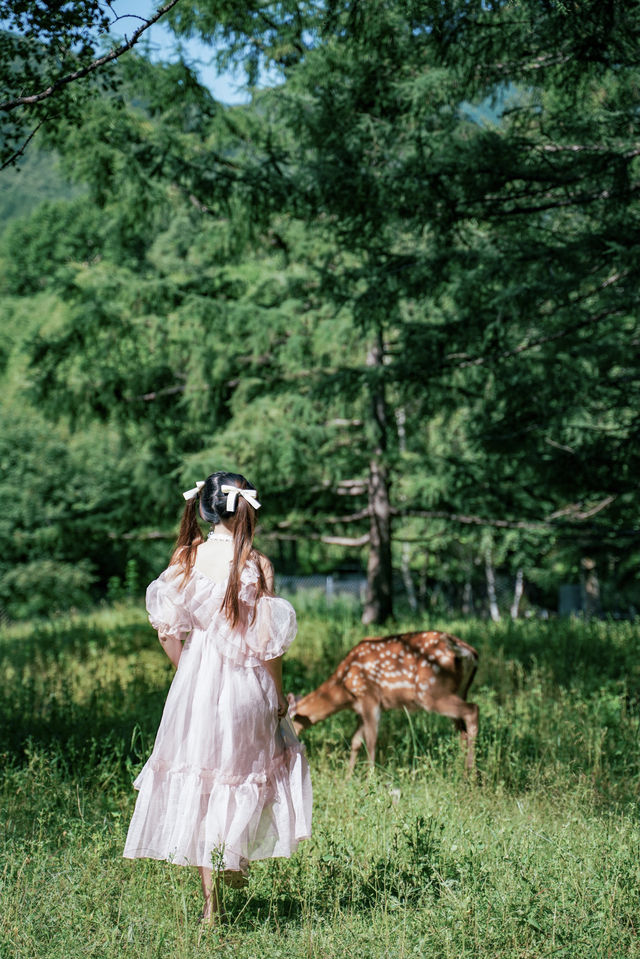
(424, 670)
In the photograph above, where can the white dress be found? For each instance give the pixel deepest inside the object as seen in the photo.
(225, 783)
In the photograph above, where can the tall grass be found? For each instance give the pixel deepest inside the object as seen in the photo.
(538, 856)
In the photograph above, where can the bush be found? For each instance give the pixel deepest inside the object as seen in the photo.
(44, 586)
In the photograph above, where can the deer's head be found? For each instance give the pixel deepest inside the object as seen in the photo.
(299, 721)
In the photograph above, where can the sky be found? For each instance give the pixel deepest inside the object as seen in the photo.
(225, 87)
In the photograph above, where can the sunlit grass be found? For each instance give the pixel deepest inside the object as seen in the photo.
(538, 856)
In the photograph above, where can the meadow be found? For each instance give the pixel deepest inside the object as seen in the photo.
(537, 856)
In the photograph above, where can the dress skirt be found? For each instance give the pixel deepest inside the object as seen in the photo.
(226, 783)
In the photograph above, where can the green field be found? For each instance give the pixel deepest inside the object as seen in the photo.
(539, 856)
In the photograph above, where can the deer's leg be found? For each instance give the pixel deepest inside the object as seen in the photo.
(367, 733)
(370, 720)
(356, 743)
(465, 719)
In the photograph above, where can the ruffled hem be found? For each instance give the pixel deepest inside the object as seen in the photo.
(215, 777)
(187, 818)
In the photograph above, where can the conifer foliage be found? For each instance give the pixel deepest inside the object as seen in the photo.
(397, 289)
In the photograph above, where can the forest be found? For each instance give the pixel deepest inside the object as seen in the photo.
(397, 288)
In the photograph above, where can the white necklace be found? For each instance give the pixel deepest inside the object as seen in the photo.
(221, 537)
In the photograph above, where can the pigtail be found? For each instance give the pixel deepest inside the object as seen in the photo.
(189, 538)
(243, 551)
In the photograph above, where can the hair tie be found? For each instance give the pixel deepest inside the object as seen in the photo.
(232, 495)
(192, 493)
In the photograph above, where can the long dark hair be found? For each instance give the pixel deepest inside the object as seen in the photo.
(211, 505)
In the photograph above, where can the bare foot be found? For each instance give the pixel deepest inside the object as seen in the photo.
(212, 912)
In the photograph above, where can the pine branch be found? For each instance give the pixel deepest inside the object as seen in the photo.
(349, 518)
(574, 512)
(154, 394)
(348, 487)
(141, 535)
(540, 63)
(552, 337)
(344, 540)
(355, 542)
(90, 68)
(582, 199)
(20, 151)
(472, 520)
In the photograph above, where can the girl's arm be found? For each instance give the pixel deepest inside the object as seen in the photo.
(274, 668)
(172, 647)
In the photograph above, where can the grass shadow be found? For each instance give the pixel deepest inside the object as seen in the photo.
(85, 691)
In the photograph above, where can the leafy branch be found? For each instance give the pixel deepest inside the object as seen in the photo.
(85, 71)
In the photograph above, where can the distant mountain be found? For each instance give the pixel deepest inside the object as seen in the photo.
(36, 179)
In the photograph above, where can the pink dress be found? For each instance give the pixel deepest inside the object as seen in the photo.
(225, 783)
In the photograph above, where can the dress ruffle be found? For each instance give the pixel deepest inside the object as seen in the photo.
(167, 604)
(194, 817)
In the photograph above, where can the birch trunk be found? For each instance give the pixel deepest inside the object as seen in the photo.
(518, 590)
(405, 555)
(407, 578)
(494, 611)
(467, 598)
(590, 588)
(379, 603)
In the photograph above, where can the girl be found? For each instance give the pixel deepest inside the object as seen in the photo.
(226, 781)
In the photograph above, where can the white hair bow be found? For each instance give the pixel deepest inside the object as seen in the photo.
(232, 495)
(192, 493)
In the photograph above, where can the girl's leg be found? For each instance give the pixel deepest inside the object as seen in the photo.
(211, 894)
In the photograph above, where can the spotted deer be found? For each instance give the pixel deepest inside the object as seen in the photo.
(425, 670)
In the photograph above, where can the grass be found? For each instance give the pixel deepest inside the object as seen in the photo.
(539, 856)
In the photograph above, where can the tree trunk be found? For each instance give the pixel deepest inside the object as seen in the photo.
(407, 578)
(423, 582)
(518, 590)
(494, 611)
(467, 597)
(379, 603)
(405, 555)
(590, 588)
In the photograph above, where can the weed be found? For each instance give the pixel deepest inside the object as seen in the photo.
(539, 856)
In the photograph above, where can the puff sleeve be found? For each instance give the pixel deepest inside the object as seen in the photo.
(266, 629)
(167, 605)
(273, 629)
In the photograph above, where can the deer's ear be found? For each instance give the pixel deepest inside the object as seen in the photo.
(291, 699)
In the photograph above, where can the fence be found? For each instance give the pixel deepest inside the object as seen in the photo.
(454, 599)
(330, 586)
